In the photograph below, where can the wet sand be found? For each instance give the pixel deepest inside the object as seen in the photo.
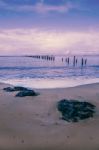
(34, 123)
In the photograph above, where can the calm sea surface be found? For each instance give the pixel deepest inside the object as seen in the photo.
(43, 73)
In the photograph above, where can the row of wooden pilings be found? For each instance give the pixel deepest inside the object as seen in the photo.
(67, 60)
(75, 61)
(45, 57)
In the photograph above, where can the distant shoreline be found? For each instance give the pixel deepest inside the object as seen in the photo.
(61, 55)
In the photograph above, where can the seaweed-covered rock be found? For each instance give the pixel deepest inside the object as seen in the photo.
(13, 89)
(73, 110)
(26, 93)
(22, 91)
(19, 88)
(9, 89)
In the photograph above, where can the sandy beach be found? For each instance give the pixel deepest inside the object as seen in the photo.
(33, 123)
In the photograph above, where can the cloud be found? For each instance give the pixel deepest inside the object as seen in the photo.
(42, 8)
(34, 41)
(61, 8)
(39, 6)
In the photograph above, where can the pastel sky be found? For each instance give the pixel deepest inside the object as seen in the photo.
(49, 26)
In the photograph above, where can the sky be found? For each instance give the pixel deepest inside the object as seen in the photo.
(49, 27)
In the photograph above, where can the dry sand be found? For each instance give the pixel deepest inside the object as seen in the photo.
(33, 123)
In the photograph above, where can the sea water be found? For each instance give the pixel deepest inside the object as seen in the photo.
(42, 73)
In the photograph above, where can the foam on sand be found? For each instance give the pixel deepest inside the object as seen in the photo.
(51, 83)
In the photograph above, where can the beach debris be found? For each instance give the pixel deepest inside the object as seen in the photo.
(22, 141)
(26, 93)
(74, 110)
(22, 91)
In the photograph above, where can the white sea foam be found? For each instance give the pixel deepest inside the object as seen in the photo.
(51, 83)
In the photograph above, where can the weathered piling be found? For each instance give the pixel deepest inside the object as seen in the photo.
(85, 62)
(68, 60)
(82, 62)
(74, 61)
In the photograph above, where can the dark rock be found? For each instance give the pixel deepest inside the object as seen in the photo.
(73, 110)
(26, 93)
(22, 91)
(19, 88)
(16, 88)
(9, 89)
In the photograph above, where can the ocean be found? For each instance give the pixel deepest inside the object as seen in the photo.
(42, 73)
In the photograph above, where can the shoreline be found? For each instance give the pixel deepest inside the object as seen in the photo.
(33, 123)
(51, 83)
(87, 84)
